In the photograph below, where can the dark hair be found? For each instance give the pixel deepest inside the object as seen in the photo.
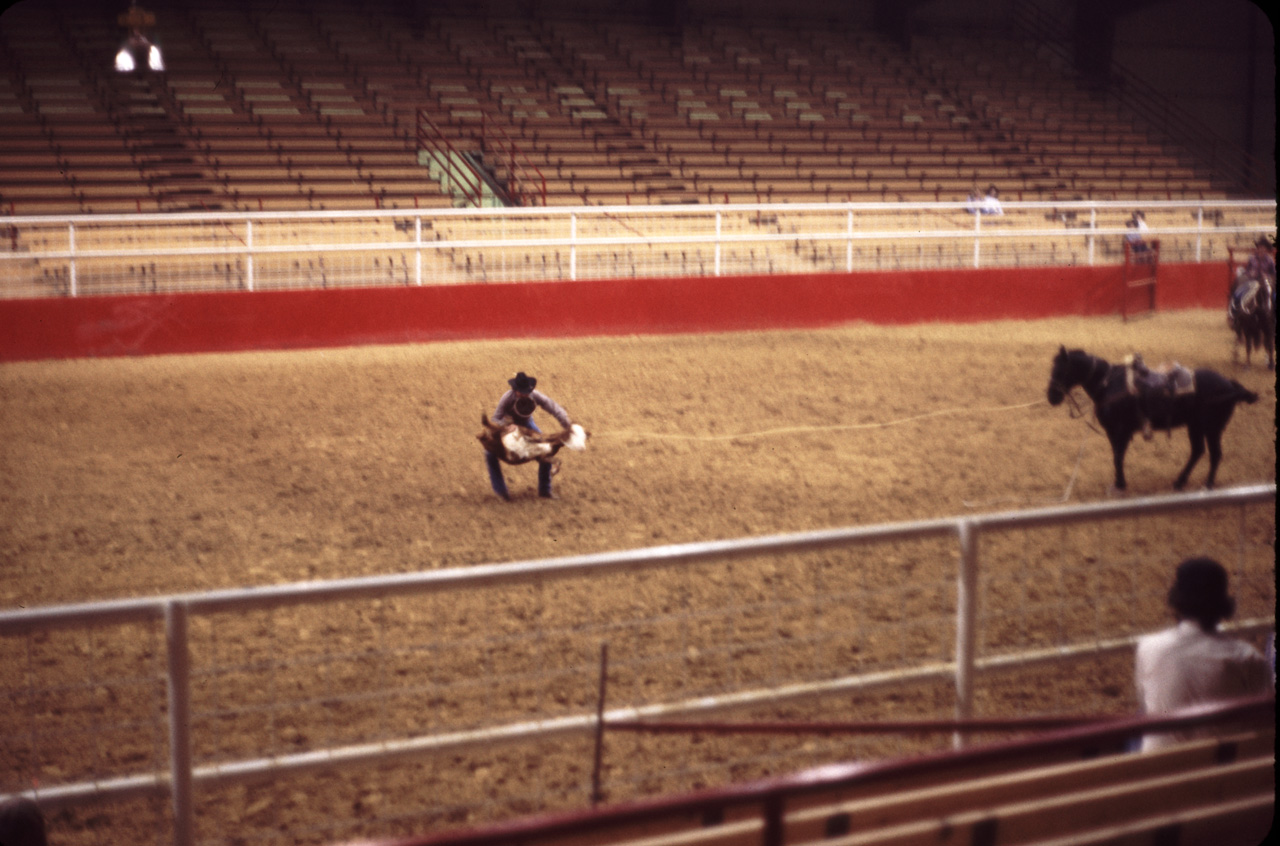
(1199, 593)
(21, 823)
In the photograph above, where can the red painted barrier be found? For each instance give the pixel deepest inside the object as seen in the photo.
(220, 322)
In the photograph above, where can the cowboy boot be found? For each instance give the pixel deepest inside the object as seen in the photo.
(545, 470)
(496, 481)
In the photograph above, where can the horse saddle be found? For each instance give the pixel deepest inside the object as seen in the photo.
(1167, 380)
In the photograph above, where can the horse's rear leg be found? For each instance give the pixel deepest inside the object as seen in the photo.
(1197, 450)
(1215, 457)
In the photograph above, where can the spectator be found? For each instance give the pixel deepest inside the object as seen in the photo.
(517, 406)
(1137, 238)
(991, 202)
(972, 203)
(1192, 663)
(21, 823)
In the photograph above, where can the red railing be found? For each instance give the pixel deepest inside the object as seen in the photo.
(1141, 268)
(451, 160)
(527, 186)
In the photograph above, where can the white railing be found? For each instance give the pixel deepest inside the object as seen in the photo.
(115, 254)
(983, 637)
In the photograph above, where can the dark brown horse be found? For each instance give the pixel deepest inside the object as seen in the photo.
(1251, 313)
(1205, 411)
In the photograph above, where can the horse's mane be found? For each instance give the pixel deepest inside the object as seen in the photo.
(1088, 358)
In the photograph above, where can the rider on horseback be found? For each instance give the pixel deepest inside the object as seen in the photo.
(1259, 269)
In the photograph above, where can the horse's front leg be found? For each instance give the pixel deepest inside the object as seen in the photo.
(1119, 445)
(1197, 450)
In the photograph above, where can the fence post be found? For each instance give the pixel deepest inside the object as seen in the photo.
(573, 247)
(179, 667)
(966, 623)
(719, 215)
(248, 256)
(417, 240)
(597, 794)
(71, 246)
(977, 241)
(1093, 225)
(848, 245)
(1199, 230)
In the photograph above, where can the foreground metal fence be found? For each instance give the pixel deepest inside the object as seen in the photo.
(163, 253)
(177, 699)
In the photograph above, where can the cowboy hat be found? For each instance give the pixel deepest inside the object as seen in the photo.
(522, 384)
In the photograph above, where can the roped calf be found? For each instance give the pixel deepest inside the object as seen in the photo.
(514, 444)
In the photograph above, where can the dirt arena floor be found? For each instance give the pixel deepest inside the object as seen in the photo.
(129, 477)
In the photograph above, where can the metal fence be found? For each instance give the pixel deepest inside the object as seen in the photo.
(177, 699)
(165, 253)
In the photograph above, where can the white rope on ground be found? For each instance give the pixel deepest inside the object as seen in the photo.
(1022, 500)
(790, 430)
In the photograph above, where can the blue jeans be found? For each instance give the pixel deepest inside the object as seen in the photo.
(499, 483)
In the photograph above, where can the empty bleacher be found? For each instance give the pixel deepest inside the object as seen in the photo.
(314, 106)
(1069, 786)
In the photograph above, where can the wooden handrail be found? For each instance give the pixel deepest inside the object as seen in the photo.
(769, 797)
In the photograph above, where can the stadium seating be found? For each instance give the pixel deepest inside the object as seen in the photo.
(315, 106)
(1073, 786)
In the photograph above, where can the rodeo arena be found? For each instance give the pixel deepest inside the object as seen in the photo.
(661, 423)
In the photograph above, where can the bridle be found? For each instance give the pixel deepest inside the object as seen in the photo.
(1077, 411)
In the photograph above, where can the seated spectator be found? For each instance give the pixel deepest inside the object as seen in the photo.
(972, 203)
(1137, 238)
(21, 823)
(991, 202)
(1192, 663)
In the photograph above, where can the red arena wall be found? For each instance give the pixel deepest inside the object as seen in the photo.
(220, 322)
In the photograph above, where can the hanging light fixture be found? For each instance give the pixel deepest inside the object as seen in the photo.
(137, 51)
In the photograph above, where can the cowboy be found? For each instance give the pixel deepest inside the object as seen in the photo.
(1262, 264)
(1258, 270)
(517, 406)
(1193, 663)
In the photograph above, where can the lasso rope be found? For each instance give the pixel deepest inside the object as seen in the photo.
(836, 427)
(1078, 412)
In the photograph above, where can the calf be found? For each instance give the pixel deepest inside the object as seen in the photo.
(514, 444)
